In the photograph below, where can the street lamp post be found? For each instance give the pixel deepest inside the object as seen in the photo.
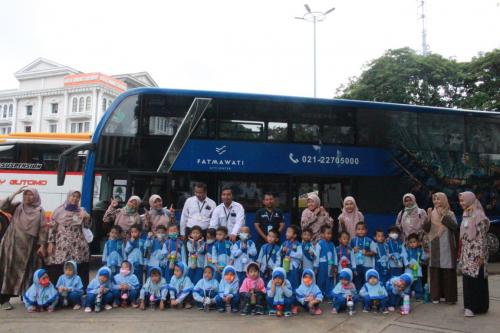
(314, 17)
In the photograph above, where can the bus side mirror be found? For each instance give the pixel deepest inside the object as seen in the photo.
(63, 160)
(61, 170)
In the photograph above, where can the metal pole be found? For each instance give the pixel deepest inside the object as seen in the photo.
(314, 39)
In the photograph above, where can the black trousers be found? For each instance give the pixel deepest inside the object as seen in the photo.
(4, 298)
(476, 293)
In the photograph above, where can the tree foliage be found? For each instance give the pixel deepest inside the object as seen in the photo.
(403, 76)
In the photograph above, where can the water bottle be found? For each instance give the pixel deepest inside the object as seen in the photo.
(405, 309)
(152, 301)
(286, 264)
(427, 295)
(350, 305)
(359, 258)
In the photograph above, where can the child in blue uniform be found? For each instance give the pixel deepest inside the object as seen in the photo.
(397, 252)
(291, 256)
(279, 294)
(173, 250)
(269, 255)
(196, 254)
(206, 289)
(379, 247)
(209, 245)
(99, 292)
(415, 255)
(310, 251)
(221, 251)
(344, 291)
(180, 288)
(242, 252)
(397, 287)
(70, 287)
(153, 291)
(308, 293)
(42, 295)
(327, 269)
(153, 246)
(112, 255)
(345, 255)
(228, 294)
(134, 251)
(125, 286)
(373, 293)
(361, 247)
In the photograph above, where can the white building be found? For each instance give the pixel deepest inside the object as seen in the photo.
(55, 98)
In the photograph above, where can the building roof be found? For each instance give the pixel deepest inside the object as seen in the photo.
(42, 67)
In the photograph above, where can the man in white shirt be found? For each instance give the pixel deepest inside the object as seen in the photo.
(197, 210)
(229, 214)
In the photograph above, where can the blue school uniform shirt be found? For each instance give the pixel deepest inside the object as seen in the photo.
(381, 254)
(327, 254)
(204, 287)
(208, 252)
(134, 251)
(397, 253)
(221, 253)
(154, 248)
(269, 257)
(112, 255)
(180, 288)
(73, 282)
(345, 254)
(304, 291)
(130, 280)
(175, 248)
(36, 295)
(229, 288)
(155, 289)
(242, 256)
(390, 287)
(363, 243)
(280, 292)
(343, 291)
(310, 255)
(294, 251)
(195, 249)
(414, 257)
(95, 284)
(375, 291)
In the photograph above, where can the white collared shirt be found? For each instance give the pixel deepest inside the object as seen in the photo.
(233, 218)
(196, 212)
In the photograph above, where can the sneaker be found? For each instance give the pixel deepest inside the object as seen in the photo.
(77, 307)
(259, 310)
(365, 310)
(391, 309)
(187, 306)
(334, 311)
(287, 314)
(235, 310)
(384, 311)
(7, 306)
(115, 305)
(295, 309)
(87, 309)
(468, 313)
(243, 313)
(50, 309)
(317, 312)
(31, 309)
(221, 310)
(435, 302)
(108, 307)
(272, 312)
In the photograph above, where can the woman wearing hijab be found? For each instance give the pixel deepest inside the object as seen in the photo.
(157, 214)
(411, 219)
(314, 217)
(22, 245)
(66, 239)
(441, 228)
(350, 216)
(124, 217)
(474, 255)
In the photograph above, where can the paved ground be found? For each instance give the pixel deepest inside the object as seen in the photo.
(423, 318)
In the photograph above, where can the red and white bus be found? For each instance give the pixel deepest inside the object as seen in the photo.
(31, 159)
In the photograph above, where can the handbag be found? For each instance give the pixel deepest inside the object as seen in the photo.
(87, 233)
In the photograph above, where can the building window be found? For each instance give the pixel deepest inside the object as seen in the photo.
(27, 129)
(109, 103)
(29, 110)
(80, 127)
(11, 110)
(54, 108)
(74, 106)
(88, 103)
(81, 104)
(53, 128)
(104, 104)
(5, 111)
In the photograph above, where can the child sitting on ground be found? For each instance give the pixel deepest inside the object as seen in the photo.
(308, 293)
(70, 287)
(125, 286)
(154, 290)
(252, 291)
(42, 295)
(99, 291)
(397, 287)
(344, 291)
(279, 294)
(228, 297)
(180, 288)
(206, 289)
(373, 293)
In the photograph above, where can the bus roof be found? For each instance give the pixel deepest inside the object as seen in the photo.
(310, 100)
(45, 138)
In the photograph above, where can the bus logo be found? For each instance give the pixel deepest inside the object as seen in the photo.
(221, 150)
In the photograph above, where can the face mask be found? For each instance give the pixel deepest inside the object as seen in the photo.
(307, 280)
(243, 236)
(210, 241)
(44, 282)
(393, 236)
(124, 271)
(173, 235)
(161, 236)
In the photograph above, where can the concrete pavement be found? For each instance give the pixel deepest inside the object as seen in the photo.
(423, 318)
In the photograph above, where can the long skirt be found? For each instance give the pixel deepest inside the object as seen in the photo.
(476, 293)
(443, 283)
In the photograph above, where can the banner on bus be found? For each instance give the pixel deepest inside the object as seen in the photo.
(282, 158)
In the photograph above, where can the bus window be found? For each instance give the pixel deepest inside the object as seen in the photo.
(441, 132)
(123, 122)
(239, 129)
(305, 133)
(277, 131)
(337, 134)
(483, 136)
(164, 125)
(250, 193)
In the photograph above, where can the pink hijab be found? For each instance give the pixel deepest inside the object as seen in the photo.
(414, 215)
(63, 216)
(157, 216)
(307, 213)
(476, 212)
(29, 217)
(351, 219)
(126, 217)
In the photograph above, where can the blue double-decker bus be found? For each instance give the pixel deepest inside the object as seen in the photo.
(163, 141)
